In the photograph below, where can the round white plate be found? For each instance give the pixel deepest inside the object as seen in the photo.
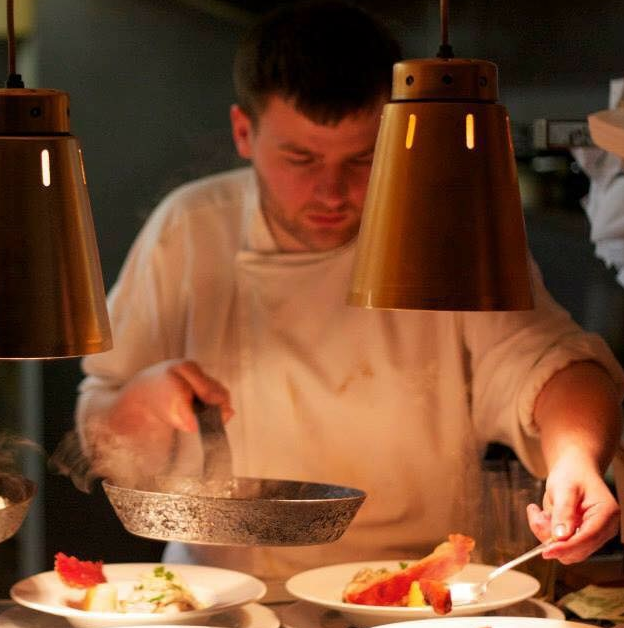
(324, 586)
(306, 615)
(489, 622)
(221, 589)
(248, 616)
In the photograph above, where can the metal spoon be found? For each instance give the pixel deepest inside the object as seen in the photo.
(471, 592)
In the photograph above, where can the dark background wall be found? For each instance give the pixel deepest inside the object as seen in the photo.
(150, 89)
(149, 82)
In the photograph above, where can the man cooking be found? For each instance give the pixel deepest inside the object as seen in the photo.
(234, 293)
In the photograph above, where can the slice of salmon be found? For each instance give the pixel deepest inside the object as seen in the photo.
(79, 574)
(390, 588)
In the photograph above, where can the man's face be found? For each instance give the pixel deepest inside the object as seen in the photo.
(312, 177)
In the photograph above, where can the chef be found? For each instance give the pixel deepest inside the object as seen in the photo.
(234, 293)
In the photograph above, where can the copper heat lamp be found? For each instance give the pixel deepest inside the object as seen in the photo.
(52, 301)
(442, 227)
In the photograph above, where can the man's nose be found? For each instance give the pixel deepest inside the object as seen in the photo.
(332, 186)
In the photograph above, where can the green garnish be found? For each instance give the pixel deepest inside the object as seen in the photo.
(159, 571)
(402, 565)
(156, 599)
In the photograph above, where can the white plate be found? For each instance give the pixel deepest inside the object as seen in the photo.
(487, 622)
(305, 615)
(324, 586)
(222, 589)
(248, 616)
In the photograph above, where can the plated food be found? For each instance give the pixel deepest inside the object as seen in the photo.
(216, 590)
(159, 590)
(325, 587)
(419, 583)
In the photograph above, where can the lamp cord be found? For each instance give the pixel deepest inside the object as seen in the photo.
(446, 50)
(13, 79)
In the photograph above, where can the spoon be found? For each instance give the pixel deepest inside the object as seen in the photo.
(471, 592)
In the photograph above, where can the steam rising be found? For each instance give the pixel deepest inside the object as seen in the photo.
(114, 460)
(69, 460)
(113, 456)
(11, 446)
(16, 491)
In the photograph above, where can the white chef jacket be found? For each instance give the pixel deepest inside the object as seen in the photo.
(604, 204)
(400, 404)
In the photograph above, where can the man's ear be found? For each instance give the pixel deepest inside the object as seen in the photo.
(241, 131)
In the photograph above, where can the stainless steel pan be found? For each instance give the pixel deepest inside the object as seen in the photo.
(236, 511)
(218, 509)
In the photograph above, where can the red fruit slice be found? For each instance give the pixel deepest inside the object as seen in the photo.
(79, 574)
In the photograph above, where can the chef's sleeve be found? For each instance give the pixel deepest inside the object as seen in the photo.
(512, 355)
(147, 297)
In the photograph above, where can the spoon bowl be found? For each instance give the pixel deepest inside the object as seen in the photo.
(463, 593)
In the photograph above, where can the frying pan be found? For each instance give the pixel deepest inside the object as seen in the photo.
(20, 492)
(236, 511)
(215, 508)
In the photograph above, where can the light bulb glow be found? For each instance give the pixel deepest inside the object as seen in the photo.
(411, 130)
(470, 131)
(45, 167)
(509, 138)
(82, 168)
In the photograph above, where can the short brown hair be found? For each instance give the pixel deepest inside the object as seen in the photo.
(329, 58)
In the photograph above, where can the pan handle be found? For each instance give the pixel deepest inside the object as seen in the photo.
(215, 445)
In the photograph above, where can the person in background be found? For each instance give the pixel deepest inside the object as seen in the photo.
(234, 294)
(604, 204)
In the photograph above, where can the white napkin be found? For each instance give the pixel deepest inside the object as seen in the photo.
(604, 204)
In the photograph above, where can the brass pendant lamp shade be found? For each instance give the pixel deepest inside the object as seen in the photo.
(442, 227)
(52, 301)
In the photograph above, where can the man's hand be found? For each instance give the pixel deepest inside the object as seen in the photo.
(579, 512)
(134, 433)
(163, 395)
(579, 417)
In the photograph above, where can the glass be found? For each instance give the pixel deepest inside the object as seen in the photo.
(508, 488)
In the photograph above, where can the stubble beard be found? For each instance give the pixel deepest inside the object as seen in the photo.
(297, 228)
